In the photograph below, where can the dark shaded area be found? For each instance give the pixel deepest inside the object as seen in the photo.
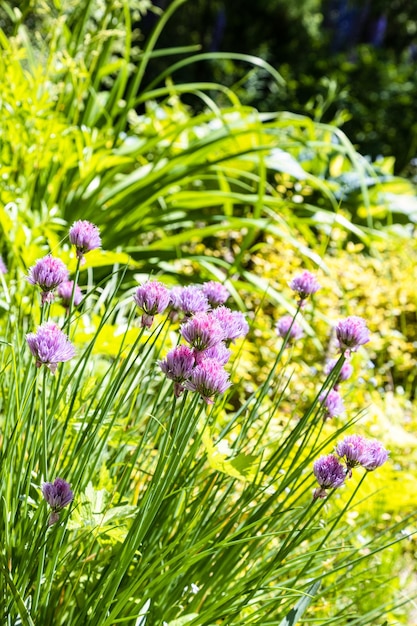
(349, 61)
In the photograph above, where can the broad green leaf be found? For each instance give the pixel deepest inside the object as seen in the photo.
(302, 605)
(242, 466)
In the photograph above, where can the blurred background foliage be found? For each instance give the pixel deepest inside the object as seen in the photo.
(344, 61)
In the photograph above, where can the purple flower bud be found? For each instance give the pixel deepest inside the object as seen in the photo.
(202, 331)
(48, 273)
(284, 324)
(177, 366)
(329, 473)
(208, 379)
(351, 333)
(304, 285)
(215, 292)
(3, 268)
(344, 374)
(50, 346)
(64, 291)
(152, 297)
(374, 455)
(190, 300)
(332, 403)
(58, 495)
(85, 236)
(351, 449)
(233, 323)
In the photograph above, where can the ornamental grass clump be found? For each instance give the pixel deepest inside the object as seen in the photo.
(186, 495)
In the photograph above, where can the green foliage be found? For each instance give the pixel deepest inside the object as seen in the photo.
(148, 174)
(171, 497)
(162, 526)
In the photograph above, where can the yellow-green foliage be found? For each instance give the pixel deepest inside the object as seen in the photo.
(378, 285)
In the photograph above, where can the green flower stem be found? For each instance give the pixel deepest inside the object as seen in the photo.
(45, 427)
(332, 527)
(75, 283)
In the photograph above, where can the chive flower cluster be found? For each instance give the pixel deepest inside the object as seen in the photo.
(304, 285)
(207, 327)
(50, 273)
(49, 344)
(351, 333)
(58, 495)
(332, 470)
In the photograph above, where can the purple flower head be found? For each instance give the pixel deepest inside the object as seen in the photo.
(208, 379)
(332, 403)
(50, 346)
(177, 366)
(175, 296)
(151, 297)
(190, 300)
(284, 324)
(304, 285)
(202, 331)
(351, 449)
(344, 374)
(329, 473)
(64, 291)
(351, 333)
(58, 495)
(219, 352)
(215, 292)
(48, 273)
(85, 236)
(3, 268)
(374, 455)
(233, 323)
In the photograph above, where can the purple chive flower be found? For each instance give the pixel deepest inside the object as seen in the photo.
(332, 402)
(190, 300)
(351, 449)
(202, 331)
(215, 292)
(208, 379)
(284, 324)
(177, 366)
(344, 374)
(85, 236)
(48, 273)
(219, 352)
(152, 297)
(50, 346)
(329, 473)
(304, 285)
(233, 323)
(3, 268)
(374, 455)
(64, 291)
(58, 495)
(351, 333)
